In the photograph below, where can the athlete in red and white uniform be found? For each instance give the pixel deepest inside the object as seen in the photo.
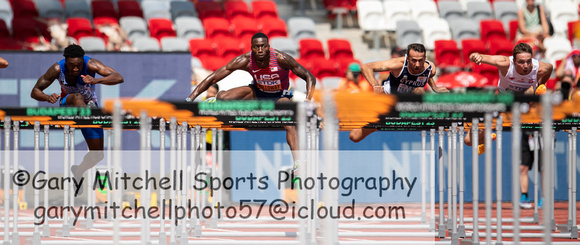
(269, 68)
(519, 73)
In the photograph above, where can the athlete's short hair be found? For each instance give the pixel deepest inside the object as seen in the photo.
(73, 51)
(417, 47)
(259, 35)
(522, 48)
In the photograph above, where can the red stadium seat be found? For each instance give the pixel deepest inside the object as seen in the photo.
(129, 8)
(491, 30)
(501, 47)
(79, 27)
(237, 8)
(305, 63)
(160, 28)
(105, 21)
(214, 62)
(216, 27)
(343, 63)
(201, 48)
(339, 48)
(447, 54)
(4, 32)
(103, 8)
(488, 71)
(332, 4)
(322, 68)
(310, 48)
(25, 30)
(228, 48)
(513, 29)
(207, 9)
(274, 27)
(470, 46)
(264, 9)
(573, 26)
(10, 44)
(25, 9)
(244, 28)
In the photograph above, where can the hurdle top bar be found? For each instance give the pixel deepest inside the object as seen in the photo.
(369, 110)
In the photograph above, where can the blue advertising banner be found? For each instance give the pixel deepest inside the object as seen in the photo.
(164, 76)
(393, 156)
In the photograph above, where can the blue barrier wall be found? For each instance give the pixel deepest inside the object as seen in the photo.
(389, 150)
(164, 76)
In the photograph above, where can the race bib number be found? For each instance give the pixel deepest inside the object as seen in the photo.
(269, 88)
(404, 89)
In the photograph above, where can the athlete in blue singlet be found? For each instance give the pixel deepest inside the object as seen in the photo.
(76, 75)
(408, 74)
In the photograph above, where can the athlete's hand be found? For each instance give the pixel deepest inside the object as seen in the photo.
(53, 98)
(476, 58)
(441, 90)
(88, 79)
(378, 89)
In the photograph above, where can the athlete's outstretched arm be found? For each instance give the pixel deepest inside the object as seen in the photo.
(43, 82)
(238, 63)
(369, 69)
(498, 61)
(290, 63)
(544, 72)
(109, 75)
(431, 81)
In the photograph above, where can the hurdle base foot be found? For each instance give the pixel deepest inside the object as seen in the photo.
(213, 222)
(45, 230)
(553, 224)
(15, 238)
(162, 238)
(178, 231)
(197, 230)
(441, 232)
(34, 240)
(565, 227)
(64, 232)
(461, 231)
(536, 219)
(454, 238)
(183, 240)
(574, 232)
(423, 217)
(432, 225)
(86, 224)
(449, 224)
(469, 242)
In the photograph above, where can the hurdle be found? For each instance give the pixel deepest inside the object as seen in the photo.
(331, 231)
(488, 220)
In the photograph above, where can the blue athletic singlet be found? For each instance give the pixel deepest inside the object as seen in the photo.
(406, 82)
(86, 90)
